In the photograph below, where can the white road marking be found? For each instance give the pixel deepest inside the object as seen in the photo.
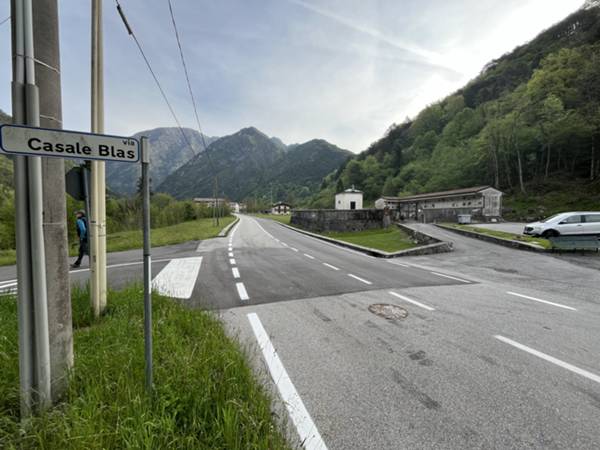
(230, 249)
(359, 279)
(551, 359)
(284, 244)
(232, 261)
(236, 272)
(230, 254)
(265, 231)
(540, 300)
(10, 282)
(294, 249)
(309, 256)
(451, 277)
(307, 430)
(242, 291)
(178, 278)
(330, 266)
(399, 264)
(136, 263)
(414, 302)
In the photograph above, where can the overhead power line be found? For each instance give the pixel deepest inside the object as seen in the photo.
(160, 88)
(4, 21)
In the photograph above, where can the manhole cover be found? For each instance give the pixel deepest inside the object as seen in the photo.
(387, 311)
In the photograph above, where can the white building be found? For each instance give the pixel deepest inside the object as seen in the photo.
(210, 201)
(349, 199)
(281, 208)
(481, 202)
(234, 207)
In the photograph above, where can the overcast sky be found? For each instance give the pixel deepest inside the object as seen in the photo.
(342, 70)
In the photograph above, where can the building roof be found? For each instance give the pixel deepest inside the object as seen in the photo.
(281, 204)
(430, 195)
(208, 199)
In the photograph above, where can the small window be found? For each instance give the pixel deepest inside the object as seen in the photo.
(572, 219)
(592, 218)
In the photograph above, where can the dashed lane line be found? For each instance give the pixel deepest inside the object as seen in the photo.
(293, 249)
(552, 359)
(330, 266)
(362, 280)
(539, 300)
(235, 271)
(306, 428)
(309, 256)
(232, 261)
(414, 302)
(230, 254)
(242, 291)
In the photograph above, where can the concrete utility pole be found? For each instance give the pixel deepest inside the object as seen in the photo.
(47, 70)
(97, 182)
(34, 348)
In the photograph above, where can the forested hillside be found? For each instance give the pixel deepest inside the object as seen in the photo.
(251, 165)
(532, 116)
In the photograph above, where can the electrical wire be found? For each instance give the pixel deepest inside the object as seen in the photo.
(160, 88)
(4, 21)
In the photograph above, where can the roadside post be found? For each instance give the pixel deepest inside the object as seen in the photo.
(145, 150)
(34, 142)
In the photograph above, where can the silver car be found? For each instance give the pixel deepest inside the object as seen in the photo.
(568, 223)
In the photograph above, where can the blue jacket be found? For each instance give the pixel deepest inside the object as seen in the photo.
(82, 228)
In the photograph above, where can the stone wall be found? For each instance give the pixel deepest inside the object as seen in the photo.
(323, 220)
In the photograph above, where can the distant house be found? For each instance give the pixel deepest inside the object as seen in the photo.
(349, 199)
(281, 208)
(210, 201)
(481, 202)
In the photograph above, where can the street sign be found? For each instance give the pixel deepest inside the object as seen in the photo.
(33, 141)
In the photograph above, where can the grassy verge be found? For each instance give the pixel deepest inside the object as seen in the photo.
(545, 243)
(127, 240)
(206, 396)
(389, 240)
(283, 218)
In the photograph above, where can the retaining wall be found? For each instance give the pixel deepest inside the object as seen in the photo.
(323, 220)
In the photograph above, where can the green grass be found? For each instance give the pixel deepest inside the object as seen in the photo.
(127, 240)
(279, 218)
(545, 243)
(389, 240)
(206, 396)
(175, 234)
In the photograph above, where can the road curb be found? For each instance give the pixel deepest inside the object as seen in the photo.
(225, 231)
(438, 247)
(495, 240)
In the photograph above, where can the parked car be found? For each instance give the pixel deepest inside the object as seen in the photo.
(586, 222)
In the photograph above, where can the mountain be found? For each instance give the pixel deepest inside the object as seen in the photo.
(530, 118)
(249, 163)
(168, 151)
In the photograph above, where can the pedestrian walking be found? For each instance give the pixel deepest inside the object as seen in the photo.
(82, 233)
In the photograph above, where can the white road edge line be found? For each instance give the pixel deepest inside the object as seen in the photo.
(123, 265)
(242, 291)
(359, 279)
(307, 430)
(414, 302)
(553, 360)
(398, 264)
(541, 301)
(309, 256)
(451, 277)
(330, 266)
(232, 261)
(236, 272)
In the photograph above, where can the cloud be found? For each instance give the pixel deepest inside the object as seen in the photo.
(428, 56)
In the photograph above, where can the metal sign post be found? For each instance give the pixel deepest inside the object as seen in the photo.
(147, 262)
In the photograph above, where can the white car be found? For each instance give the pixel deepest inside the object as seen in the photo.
(586, 222)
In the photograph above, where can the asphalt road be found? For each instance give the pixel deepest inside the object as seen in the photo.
(498, 349)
